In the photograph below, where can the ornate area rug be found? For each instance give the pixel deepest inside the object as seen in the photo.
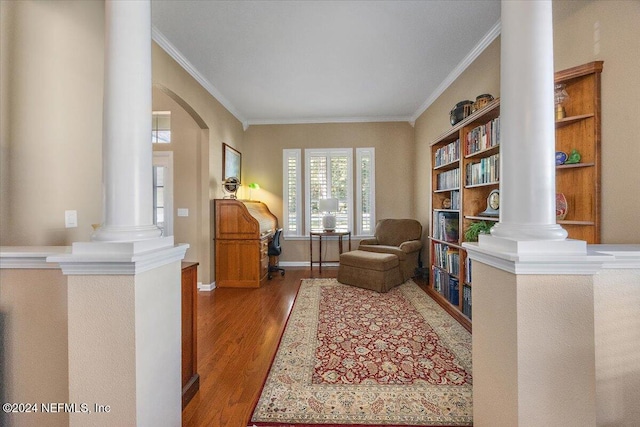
(351, 356)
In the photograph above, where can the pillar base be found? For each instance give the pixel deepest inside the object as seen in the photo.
(545, 232)
(532, 246)
(110, 233)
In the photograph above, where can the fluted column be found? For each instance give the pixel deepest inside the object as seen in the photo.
(527, 155)
(126, 146)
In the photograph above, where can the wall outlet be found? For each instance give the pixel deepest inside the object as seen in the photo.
(183, 212)
(70, 219)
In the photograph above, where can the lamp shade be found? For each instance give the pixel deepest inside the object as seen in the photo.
(328, 205)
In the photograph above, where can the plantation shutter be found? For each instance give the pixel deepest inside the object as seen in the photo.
(365, 196)
(329, 175)
(291, 193)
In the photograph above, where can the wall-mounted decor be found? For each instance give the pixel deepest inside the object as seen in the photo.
(231, 162)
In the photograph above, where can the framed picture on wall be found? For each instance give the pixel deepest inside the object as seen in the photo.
(231, 162)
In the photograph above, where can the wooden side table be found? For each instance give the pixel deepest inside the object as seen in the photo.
(325, 234)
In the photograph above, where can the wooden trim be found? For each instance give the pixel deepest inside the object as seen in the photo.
(579, 71)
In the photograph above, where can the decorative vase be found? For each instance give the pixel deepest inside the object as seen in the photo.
(561, 206)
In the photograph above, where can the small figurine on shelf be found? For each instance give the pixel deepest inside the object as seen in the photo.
(560, 95)
(573, 158)
(446, 203)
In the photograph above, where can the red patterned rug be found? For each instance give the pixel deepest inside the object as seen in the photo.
(350, 356)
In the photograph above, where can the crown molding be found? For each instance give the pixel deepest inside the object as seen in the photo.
(173, 52)
(373, 119)
(463, 65)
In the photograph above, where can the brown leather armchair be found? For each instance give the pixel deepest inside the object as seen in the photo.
(400, 237)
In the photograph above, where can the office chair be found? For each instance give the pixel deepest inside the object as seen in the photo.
(274, 252)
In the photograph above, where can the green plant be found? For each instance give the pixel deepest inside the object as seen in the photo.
(477, 228)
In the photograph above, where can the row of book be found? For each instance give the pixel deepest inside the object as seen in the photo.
(447, 258)
(487, 170)
(455, 200)
(446, 226)
(483, 137)
(447, 154)
(446, 285)
(448, 180)
(466, 301)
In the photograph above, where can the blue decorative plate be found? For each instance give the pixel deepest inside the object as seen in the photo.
(561, 157)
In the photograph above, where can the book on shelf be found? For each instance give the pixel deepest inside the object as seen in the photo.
(466, 300)
(483, 137)
(447, 154)
(484, 171)
(440, 279)
(447, 258)
(453, 294)
(455, 200)
(448, 180)
(446, 226)
(467, 270)
(446, 285)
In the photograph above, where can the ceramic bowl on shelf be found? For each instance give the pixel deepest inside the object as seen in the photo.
(460, 111)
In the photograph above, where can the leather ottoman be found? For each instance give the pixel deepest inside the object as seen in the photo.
(370, 270)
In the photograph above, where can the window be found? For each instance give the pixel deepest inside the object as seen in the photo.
(163, 191)
(365, 191)
(329, 174)
(161, 127)
(291, 193)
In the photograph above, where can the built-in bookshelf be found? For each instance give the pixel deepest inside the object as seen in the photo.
(466, 169)
(580, 130)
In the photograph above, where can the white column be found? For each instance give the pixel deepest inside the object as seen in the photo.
(126, 146)
(527, 162)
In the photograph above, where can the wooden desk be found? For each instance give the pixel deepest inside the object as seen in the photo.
(243, 230)
(320, 234)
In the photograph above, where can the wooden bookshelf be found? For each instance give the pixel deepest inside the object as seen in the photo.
(581, 130)
(472, 196)
(579, 182)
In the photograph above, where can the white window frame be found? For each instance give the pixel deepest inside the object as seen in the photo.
(287, 154)
(360, 154)
(329, 153)
(303, 208)
(165, 159)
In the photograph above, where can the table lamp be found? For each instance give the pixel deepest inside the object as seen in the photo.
(253, 186)
(329, 219)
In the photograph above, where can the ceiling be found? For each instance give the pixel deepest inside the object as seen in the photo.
(325, 61)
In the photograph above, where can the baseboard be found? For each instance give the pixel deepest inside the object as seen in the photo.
(206, 287)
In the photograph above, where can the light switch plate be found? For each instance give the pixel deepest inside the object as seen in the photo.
(183, 212)
(71, 219)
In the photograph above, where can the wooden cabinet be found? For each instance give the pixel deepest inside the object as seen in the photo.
(243, 231)
(580, 130)
(190, 377)
(465, 170)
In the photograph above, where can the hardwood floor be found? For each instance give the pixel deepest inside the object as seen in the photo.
(238, 334)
